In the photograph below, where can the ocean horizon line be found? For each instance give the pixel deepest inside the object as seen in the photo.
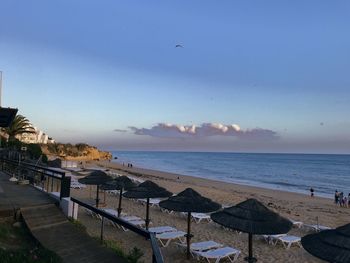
(223, 152)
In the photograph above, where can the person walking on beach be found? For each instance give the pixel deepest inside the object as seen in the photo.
(312, 192)
(336, 197)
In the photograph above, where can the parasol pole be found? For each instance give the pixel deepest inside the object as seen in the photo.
(250, 240)
(188, 235)
(250, 257)
(147, 214)
(97, 195)
(120, 202)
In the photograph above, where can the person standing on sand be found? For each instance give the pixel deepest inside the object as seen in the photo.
(312, 192)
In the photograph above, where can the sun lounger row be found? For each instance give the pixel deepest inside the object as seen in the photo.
(198, 217)
(286, 240)
(316, 228)
(212, 250)
(205, 249)
(152, 201)
(77, 185)
(135, 220)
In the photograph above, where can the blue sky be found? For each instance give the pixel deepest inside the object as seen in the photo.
(80, 70)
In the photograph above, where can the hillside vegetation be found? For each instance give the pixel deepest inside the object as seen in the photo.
(78, 152)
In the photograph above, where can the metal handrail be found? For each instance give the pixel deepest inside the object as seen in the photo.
(35, 168)
(156, 254)
(51, 173)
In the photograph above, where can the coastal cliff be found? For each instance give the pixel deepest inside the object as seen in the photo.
(77, 152)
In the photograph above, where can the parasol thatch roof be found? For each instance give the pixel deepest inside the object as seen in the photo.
(96, 177)
(121, 182)
(330, 245)
(252, 217)
(190, 201)
(147, 189)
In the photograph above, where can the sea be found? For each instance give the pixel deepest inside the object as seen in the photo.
(325, 173)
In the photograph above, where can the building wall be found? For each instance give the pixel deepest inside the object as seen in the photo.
(37, 137)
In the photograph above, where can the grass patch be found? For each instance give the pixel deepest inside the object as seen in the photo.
(18, 246)
(78, 224)
(133, 256)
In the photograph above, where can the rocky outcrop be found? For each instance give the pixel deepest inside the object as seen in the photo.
(78, 152)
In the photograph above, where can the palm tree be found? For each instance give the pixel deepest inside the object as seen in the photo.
(19, 126)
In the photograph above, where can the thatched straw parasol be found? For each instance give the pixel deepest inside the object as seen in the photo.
(189, 201)
(330, 245)
(96, 177)
(252, 217)
(120, 183)
(147, 190)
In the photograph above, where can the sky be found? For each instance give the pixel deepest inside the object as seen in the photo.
(237, 76)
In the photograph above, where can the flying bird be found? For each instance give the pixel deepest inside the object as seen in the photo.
(179, 45)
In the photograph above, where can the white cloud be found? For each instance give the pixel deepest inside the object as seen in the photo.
(167, 130)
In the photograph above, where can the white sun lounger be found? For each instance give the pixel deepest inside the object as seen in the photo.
(131, 218)
(220, 253)
(205, 245)
(154, 201)
(112, 192)
(288, 241)
(201, 246)
(110, 211)
(317, 228)
(198, 217)
(161, 229)
(297, 224)
(139, 223)
(77, 185)
(113, 213)
(169, 236)
(135, 220)
(166, 211)
(272, 239)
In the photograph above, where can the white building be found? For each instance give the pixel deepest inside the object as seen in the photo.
(37, 137)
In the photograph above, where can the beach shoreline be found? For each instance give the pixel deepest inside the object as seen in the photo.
(157, 174)
(289, 204)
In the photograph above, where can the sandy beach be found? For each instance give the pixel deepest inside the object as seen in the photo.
(295, 206)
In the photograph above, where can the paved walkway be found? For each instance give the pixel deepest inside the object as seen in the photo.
(49, 226)
(14, 196)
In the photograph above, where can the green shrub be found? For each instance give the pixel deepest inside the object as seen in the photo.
(134, 255)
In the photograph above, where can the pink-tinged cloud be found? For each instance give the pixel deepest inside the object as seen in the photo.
(165, 130)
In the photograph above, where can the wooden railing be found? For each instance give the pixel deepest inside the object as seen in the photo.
(156, 254)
